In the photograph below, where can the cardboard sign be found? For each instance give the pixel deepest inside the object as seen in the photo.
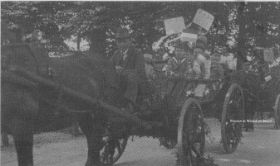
(189, 37)
(268, 55)
(174, 25)
(199, 90)
(203, 19)
(268, 78)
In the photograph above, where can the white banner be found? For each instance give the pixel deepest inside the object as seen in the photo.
(174, 25)
(203, 19)
(188, 37)
(268, 55)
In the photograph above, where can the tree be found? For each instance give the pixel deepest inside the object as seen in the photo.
(32, 16)
(237, 25)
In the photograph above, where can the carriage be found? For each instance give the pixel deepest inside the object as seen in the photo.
(262, 85)
(175, 119)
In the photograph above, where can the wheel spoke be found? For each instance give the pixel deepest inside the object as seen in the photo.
(192, 129)
(119, 148)
(232, 110)
(277, 112)
(112, 150)
(233, 134)
(196, 151)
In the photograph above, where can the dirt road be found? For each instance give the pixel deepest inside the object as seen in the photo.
(258, 148)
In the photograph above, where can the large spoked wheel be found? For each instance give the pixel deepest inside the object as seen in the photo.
(277, 112)
(191, 134)
(112, 149)
(232, 118)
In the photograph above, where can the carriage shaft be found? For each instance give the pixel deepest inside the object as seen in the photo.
(92, 102)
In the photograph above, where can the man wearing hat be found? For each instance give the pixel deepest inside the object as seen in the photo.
(202, 59)
(129, 63)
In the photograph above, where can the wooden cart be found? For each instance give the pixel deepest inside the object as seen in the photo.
(177, 118)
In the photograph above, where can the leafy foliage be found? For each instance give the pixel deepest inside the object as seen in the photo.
(237, 25)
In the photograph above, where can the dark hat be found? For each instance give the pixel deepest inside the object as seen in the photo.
(122, 33)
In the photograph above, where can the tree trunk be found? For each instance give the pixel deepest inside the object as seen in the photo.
(241, 21)
(79, 42)
(5, 139)
(97, 41)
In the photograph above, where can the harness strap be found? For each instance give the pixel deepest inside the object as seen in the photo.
(58, 101)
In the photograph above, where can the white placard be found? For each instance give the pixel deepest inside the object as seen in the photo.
(199, 90)
(188, 37)
(203, 19)
(268, 55)
(174, 25)
(268, 78)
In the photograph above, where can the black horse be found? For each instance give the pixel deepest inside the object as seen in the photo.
(29, 108)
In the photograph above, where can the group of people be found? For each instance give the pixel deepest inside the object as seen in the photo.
(189, 61)
(130, 63)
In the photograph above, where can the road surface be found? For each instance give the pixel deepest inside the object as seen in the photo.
(258, 148)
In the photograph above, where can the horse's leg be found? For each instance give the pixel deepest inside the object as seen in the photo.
(93, 130)
(5, 139)
(22, 125)
(75, 131)
(23, 139)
